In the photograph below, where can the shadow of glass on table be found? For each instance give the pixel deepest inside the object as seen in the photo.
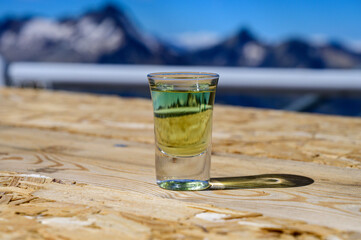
(260, 181)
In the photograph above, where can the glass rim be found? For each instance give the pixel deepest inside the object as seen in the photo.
(182, 76)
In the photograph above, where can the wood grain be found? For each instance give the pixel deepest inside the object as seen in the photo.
(105, 143)
(321, 139)
(42, 208)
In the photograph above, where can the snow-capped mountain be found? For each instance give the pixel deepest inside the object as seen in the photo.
(107, 35)
(244, 49)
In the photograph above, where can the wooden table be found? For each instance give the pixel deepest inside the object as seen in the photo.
(77, 166)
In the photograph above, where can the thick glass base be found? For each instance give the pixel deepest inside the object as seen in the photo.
(182, 173)
(184, 185)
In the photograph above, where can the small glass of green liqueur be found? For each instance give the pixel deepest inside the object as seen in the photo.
(183, 108)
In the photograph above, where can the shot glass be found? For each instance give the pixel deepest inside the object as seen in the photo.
(183, 108)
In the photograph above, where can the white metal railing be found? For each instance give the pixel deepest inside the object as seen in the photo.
(47, 74)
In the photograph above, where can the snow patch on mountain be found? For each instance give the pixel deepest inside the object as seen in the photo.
(96, 38)
(254, 53)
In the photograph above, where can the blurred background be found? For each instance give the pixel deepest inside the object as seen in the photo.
(293, 55)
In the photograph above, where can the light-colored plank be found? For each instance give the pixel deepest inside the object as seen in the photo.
(50, 210)
(108, 142)
(326, 140)
(333, 200)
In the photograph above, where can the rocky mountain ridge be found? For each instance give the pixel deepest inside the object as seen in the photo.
(107, 35)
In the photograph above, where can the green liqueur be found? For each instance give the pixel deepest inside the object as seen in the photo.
(183, 119)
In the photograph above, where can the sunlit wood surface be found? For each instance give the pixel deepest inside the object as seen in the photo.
(77, 166)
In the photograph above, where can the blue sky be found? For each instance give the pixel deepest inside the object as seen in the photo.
(211, 20)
